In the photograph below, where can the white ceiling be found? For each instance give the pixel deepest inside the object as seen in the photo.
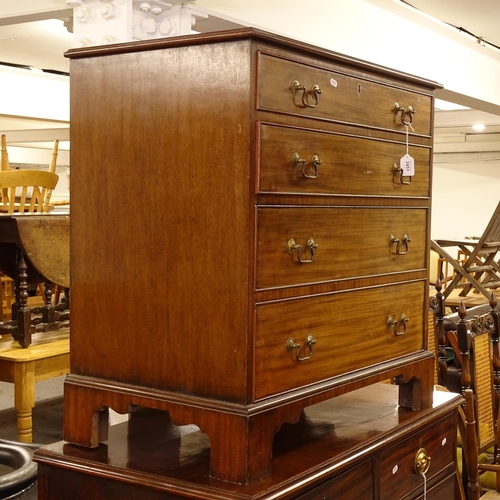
(453, 128)
(40, 42)
(478, 17)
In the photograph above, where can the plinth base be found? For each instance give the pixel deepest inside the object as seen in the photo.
(347, 447)
(241, 436)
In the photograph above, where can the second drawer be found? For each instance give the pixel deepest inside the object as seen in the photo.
(295, 160)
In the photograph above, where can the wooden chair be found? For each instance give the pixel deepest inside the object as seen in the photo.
(4, 155)
(478, 341)
(468, 428)
(53, 161)
(480, 272)
(26, 190)
(436, 338)
(443, 341)
(5, 166)
(4, 158)
(448, 375)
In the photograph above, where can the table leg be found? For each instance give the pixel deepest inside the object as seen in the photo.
(24, 399)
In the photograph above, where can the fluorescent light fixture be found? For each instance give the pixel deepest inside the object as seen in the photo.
(448, 106)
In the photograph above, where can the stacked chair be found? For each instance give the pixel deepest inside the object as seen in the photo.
(478, 270)
(26, 190)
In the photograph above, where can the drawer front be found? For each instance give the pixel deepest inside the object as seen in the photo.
(350, 330)
(396, 465)
(343, 98)
(445, 490)
(357, 482)
(289, 157)
(351, 242)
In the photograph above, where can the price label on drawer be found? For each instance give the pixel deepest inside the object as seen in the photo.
(407, 164)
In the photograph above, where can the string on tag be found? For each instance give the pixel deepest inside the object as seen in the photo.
(408, 125)
(425, 487)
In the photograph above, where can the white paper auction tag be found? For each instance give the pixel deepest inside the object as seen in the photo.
(407, 164)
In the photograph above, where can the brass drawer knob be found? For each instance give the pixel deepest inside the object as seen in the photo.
(401, 245)
(291, 345)
(315, 91)
(409, 112)
(398, 169)
(422, 462)
(315, 163)
(311, 246)
(393, 323)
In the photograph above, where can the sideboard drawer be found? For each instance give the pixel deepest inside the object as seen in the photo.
(357, 482)
(350, 330)
(343, 98)
(289, 156)
(397, 475)
(351, 242)
(444, 490)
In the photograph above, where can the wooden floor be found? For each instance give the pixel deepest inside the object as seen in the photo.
(47, 357)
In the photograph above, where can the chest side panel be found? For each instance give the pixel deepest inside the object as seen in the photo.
(160, 159)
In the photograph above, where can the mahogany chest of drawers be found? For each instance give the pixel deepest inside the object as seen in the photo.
(244, 241)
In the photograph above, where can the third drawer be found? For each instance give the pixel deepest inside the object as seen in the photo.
(351, 242)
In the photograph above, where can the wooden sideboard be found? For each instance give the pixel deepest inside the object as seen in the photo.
(243, 239)
(357, 446)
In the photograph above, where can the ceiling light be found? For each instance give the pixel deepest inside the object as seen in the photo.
(478, 126)
(447, 105)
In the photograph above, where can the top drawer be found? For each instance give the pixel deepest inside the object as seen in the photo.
(397, 475)
(343, 98)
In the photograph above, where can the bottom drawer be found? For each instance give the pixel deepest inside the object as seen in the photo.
(445, 490)
(350, 331)
(354, 483)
